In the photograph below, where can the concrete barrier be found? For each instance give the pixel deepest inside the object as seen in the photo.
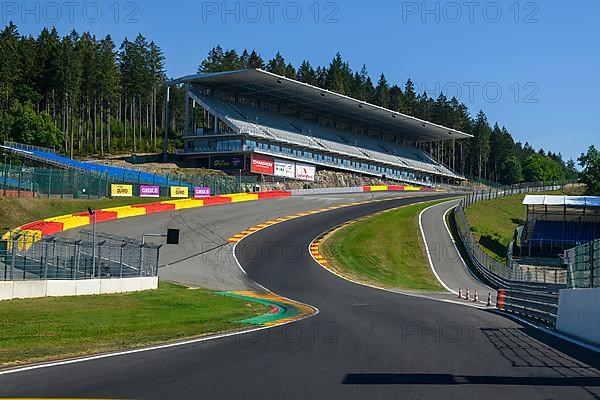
(6, 290)
(579, 314)
(58, 288)
(149, 283)
(109, 286)
(87, 287)
(306, 192)
(28, 289)
(61, 288)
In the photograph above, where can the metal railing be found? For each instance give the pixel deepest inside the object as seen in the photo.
(530, 291)
(25, 256)
(583, 265)
(503, 274)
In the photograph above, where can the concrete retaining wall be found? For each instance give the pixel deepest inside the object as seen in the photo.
(306, 192)
(579, 313)
(53, 288)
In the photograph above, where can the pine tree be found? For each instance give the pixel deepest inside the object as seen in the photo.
(382, 92)
(277, 65)
(306, 73)
(255, 61)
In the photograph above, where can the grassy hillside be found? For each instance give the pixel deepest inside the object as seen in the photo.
(493, 222)
(16, 212)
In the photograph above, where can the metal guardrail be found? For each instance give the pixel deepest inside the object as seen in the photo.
(526, 290)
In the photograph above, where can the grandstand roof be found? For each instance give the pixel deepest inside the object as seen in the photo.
(569, 201)
(278, 89)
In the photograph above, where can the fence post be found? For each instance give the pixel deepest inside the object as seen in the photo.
(49, 181)
(141, 259)
(121, 260)
(591, 245)
(19, 185)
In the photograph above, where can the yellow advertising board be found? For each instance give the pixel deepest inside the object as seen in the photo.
(179, 191)
(121, 190)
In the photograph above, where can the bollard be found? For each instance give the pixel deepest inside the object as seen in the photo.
(467, 296)
(500, 300)
(475, 297)
(489, 300)
(460, 293)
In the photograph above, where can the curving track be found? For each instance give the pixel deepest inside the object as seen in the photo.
(364, 343)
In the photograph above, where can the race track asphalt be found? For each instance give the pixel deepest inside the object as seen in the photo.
(363, 343)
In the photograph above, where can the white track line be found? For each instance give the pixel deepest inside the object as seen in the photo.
(429, 253)
(420, 296)
(467, 269)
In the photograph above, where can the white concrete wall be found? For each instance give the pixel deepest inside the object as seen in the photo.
(305, 192)
(579, 313)
(53, 288)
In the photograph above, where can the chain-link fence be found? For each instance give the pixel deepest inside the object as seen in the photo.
(584, 265)
(25, 181)
(26, 256)
(492, 269)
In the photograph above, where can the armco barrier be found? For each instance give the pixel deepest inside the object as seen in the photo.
(527, 291)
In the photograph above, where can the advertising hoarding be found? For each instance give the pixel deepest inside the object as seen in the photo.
(117, 190)
(227, 162)
(149, 191)
(262, 164)
(179, 191)
(200, 192)
(305, 172)
(285, 168)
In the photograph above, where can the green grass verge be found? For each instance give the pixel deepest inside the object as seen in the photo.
(16, 212)
(50, 328)
(493, 222)
(384, 250)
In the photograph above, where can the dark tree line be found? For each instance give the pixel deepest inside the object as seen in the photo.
(84, 95)
(80, 92)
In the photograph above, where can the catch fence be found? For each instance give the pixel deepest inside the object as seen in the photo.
(18, 180)
(25, 256)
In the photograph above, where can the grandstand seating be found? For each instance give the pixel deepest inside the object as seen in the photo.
(310, 134)
(564, 232)
(119, 174)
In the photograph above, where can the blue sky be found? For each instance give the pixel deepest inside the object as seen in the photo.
(533, 66)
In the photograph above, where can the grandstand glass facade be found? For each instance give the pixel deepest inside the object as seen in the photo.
(303, 127)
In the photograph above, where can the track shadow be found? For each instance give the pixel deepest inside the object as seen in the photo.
(447, 379)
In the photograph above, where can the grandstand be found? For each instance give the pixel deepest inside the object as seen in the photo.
(254, 114)
(558, 223)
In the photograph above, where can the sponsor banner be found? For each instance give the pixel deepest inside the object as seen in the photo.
(227, 162)
(201, 192)
(149, 191)
(179, 191)
(285, 168)
(121, 190)
(262, 164)
(305, 172)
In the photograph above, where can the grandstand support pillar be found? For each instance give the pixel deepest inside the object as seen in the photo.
(215, 124)
(186, 125)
